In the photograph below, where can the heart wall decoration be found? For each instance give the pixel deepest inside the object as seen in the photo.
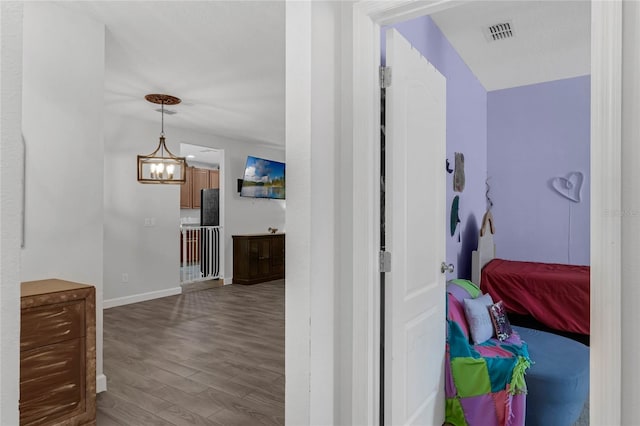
(570, 186)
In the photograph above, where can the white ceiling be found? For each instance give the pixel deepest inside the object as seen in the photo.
(552, 40)
(200, 154)
(225, 59)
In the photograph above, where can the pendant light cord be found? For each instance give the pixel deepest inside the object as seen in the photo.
(162, 120)
(162, 127)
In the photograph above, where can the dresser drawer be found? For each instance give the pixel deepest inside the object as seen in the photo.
(57, 354)
(44, 325)
(52, 382)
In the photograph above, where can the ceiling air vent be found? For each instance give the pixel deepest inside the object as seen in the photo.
(499, 31)
(166, 111)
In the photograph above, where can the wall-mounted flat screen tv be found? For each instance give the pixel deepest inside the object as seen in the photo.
(263, 179)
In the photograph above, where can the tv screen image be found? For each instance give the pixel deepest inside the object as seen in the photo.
(263, 179)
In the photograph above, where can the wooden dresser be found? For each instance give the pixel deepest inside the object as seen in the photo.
(258, 258)
(57, 353)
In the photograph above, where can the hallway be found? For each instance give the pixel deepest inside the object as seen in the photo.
(212, 357)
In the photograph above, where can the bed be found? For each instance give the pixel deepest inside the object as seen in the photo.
(555, 295)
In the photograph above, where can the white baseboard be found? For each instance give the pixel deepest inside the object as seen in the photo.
(101, 383)
(228, 280)
(127, 300)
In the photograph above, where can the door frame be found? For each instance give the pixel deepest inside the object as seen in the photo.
(606, 197)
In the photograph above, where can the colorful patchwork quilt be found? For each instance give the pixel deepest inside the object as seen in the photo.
(485, 383)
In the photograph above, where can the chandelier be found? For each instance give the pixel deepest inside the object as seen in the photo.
(161, 166)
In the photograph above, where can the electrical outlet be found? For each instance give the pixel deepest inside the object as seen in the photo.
(149, 222)
(125, 277)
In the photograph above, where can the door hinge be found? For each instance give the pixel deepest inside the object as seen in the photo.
(385, 261)
(385, 77)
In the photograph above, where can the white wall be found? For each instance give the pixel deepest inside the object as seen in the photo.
(151, 255)
(62, 124)
(345, 297)
(630, 213)
(325, 137)
(298, 255)
(10, 204)
(319, 299)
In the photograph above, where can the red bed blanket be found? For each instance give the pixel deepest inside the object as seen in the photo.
(556, 295)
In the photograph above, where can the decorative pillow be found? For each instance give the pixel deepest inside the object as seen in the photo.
(477, 312)
(501, 324)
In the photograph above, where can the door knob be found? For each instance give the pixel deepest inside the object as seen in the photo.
(446, 268)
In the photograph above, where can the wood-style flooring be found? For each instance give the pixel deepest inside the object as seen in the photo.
(211, 357)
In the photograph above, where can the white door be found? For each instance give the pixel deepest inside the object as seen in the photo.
(415, 236)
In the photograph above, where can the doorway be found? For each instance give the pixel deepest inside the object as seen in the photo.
(202, 218)
(605, 143)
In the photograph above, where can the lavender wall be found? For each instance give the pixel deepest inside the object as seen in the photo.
(466, 133)
(537, 133)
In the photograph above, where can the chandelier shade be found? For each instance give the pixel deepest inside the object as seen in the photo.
(161, 166)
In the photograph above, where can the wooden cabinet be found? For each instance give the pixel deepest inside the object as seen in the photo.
(258, 258)
(186, 189)
(214, 179)
(200, 179)
(57, 353)
(196, 180)
(277, 256)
